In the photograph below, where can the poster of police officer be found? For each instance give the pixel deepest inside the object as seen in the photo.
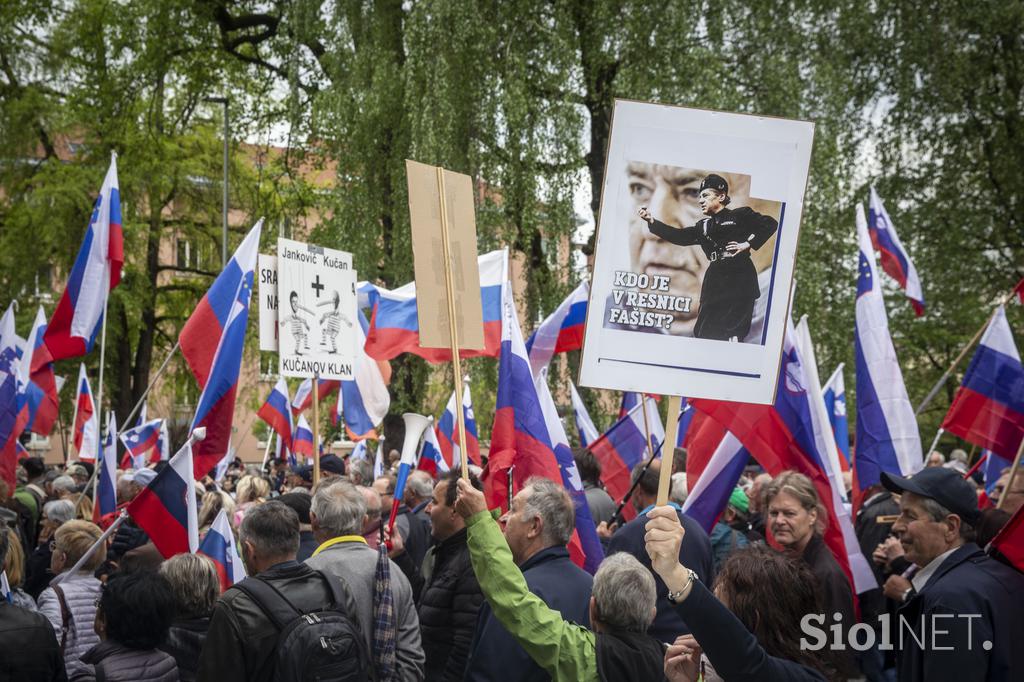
(695, 249)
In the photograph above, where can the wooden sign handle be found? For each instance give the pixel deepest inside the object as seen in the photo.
(316, 428)
(669, 446)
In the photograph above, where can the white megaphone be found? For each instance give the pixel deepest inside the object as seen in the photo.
(415, 426)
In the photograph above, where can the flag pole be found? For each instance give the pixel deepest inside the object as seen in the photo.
(99, 411)
(266, 450)
(316, 428)
(665, 481)
(1013, 475)
(963, 351)
(452, 325)
(152, 383)
(935, 441)
(647, 424)
(629, 493)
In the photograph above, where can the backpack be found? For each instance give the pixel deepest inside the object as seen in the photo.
(325, 643)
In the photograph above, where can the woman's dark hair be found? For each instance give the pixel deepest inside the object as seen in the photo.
(990, 522)
(770, 593)
(588, 465)
(137, 608)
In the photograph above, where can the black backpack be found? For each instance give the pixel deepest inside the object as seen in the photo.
(326, 643)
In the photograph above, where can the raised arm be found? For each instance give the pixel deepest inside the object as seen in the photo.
(686, 236)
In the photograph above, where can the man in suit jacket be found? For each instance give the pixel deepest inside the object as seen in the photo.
(963, 613)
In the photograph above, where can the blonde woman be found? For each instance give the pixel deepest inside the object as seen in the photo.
(210, 505)
(14, 567)
(251, 491)
(70, 605)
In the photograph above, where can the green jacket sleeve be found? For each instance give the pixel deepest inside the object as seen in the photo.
(565, 650)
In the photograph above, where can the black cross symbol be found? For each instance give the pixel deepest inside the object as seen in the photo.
(317, 286)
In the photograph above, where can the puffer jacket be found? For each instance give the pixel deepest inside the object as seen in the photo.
(114, 662)
(81, 590)
(449, 604)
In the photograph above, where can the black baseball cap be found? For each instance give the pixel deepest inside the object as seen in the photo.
(299, 502)
(945, 486)
(715, 182)
(332, 463)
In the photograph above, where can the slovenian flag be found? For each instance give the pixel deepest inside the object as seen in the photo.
(834, 394)
(304, 393)
(219, 545)
(277, 413)
(448, 429)
(364, 400)
(394, 324)
(95, 273)
(212, 342)
(988, 408)
(623, 446)
(13, 412)
(431, 458)
(561, 331)
(87, 423)
(302, 441)
(584, 424)
(41, 387)
(886, 432)
(714, 482)
(139, 441)
(895, 259)
(166, 508)
(106, 479)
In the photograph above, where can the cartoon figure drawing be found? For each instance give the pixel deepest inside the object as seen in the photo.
(297, 324)
(330, 323)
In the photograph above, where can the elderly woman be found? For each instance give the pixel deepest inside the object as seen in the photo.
(70, 601)
(195, 587)
(749, 629)
(796, 518)
(37, 570)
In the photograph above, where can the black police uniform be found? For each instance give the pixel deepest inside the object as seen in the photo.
(730, 282)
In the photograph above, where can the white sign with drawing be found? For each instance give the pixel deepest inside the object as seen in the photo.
(266, 267)
(317, 312)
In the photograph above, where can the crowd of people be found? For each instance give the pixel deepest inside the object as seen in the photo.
(457, 591)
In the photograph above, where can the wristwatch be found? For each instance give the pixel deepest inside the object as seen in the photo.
(907, 593)
(674, 597)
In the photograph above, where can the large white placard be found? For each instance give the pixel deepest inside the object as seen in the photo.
(317, 312)
(695, 249)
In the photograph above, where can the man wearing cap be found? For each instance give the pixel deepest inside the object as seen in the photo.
(726, 237)
(965, 610)
(729, 533)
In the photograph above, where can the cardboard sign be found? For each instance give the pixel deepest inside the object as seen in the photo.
(695, 250)
(267, 279)
(428, 257)
(317, 314)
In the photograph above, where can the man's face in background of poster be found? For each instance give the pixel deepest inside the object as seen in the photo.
(672, 195)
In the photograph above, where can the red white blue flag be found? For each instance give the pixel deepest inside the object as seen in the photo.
(302, 441)
(87, 422)
(988, 408)
(219, 545)
(95, 273)
(276, 411)
(834, 395)
(41, 385)
(584, 424)
(448, 430)
(623, 446)
(887, 437)
(106, 478)
(13, 412)
(166, 508)
(394, 324)
(895, 259)
(364, 400)
(561, 331)
(139, 441)
(212, 342)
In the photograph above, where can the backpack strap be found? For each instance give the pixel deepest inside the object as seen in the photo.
(275, 605)
(65, 617)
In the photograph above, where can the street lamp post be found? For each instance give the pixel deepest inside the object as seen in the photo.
(224, 209)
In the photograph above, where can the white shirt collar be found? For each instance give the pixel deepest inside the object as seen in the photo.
(920, 578)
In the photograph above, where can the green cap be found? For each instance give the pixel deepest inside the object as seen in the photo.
(739, 500)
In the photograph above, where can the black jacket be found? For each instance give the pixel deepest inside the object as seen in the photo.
(448, 609)
(836, 593)
(551, 575)
(185, 642)
(969, 594)
(732, 650)
(695, 553)
(241, 641)
(28, 647)
(307, 545)
(872, 528)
